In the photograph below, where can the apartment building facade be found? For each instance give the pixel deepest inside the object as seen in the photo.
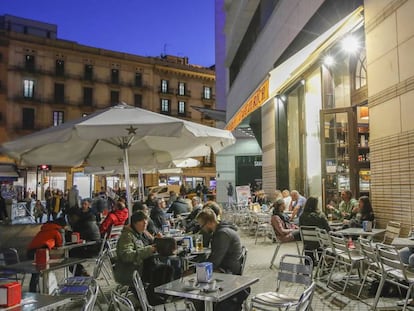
(46, 81)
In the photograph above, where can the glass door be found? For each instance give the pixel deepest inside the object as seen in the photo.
(338, 152)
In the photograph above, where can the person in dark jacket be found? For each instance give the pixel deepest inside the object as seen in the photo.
(49, 236)
(178, 207)
(363, 213)
(226, 254)
(85, 224)
(158, 215)
(311, 216)
(151, 228)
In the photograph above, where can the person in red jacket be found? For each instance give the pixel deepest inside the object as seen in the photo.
(49, 236)
(116, 217)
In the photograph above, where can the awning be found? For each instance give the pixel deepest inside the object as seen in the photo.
(8, 172)
(292, 69)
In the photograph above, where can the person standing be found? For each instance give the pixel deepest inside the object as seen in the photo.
(204, 190)
(39, 210)
(230, 192)
(48, 198)
(57, 204)
(73, 197)
(296, 205)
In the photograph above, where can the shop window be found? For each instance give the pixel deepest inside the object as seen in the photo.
(361, 70)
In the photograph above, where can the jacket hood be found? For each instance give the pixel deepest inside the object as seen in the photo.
(225, 224)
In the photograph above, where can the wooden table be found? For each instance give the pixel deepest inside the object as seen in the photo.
(29, 266)
(403, 242)
(38, 302)
(227, 285)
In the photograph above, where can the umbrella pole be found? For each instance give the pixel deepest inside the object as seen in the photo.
(127, 187)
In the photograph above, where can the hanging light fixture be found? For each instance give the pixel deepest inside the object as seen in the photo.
(364, 112)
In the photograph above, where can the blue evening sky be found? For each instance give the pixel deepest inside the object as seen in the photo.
(142, 27)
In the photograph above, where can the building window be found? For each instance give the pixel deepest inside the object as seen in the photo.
(58, 117)
(60, 67)
(29, 63)
(207, 92)
(361, 70)
(165, 106)
(88, 72)
(114, 98)
(138, 100)
(28, 88)
(164, 86)
(181, 107)
(59, 93)
(181, 88)
(28, 118)
(138, 79)
(87, 96)
(114, 76)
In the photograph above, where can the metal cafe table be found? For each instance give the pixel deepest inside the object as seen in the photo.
(226, 286)
(39, 302)
(29, 266)
(359, 232)
(403, 242)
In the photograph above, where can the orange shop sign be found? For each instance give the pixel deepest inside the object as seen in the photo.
(256, 100)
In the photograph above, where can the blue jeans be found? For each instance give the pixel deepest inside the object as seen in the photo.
(407, 256)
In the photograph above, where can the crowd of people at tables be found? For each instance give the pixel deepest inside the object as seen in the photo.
(139, 247)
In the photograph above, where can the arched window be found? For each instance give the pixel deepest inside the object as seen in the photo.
(361, 70)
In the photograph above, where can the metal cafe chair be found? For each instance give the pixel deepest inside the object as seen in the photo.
(328, 253)
(346, 257)
(392, 231)
(91, 297)
(295, 272)
(279, 245)
(309, 237)
(120, 302)
(179, 305)
(393, 271)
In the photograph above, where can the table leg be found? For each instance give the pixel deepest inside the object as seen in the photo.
(45, 285)
(208, 306)
(66, 270)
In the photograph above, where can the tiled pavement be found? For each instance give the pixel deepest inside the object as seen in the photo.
(258, 262)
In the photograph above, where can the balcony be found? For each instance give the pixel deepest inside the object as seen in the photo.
(187, 93)
(212, 98)
(169, 91)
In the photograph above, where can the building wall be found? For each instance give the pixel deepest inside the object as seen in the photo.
(391, 96)
(269, 148)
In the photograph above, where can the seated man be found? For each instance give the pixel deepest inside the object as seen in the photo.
(226, 253)
(347, 208)
(116, 217)
(178, 207)
(134, 246)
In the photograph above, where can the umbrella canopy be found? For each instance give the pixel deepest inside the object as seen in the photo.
(119, 134)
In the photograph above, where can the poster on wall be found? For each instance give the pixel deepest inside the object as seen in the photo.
(243, 194)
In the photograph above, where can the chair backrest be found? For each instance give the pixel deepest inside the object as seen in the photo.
(142, 295)
(308, 234)
(392, 231)
(112, 240)
(91, 296)
(116, 231)
(324, 238)
(340, 244)
(8, 256)
(243, 259)
(390, 259)
(121, 303)
(295, 269)
(368, 250)
(305, 299)
(99, 264)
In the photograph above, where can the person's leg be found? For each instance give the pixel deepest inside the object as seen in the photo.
(34, 281)
(405, 255)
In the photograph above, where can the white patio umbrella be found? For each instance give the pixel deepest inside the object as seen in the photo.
(119, 134)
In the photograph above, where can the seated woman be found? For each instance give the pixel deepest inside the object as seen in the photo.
(284, 231)
(363, 213)
(312, 216)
